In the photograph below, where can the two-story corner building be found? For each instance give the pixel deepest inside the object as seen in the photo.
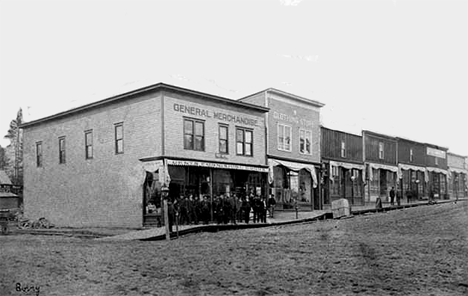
(380, 158)
(412, 174)
(100, 164)
(457, 181)
(344, 167)
(436, 165)
(293, 147)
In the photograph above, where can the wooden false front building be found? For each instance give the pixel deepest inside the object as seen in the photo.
(343, 166)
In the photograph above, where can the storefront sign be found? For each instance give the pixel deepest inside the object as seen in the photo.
(216, 165)
(213, 114)
(292, 119)
(435, 152)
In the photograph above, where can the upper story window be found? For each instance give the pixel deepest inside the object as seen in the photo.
(381, 150)
(343, 149)
(39, 154)
(244, 141)
(194, 134)
(119, 148)
(436, 160)
(411, 155)
(305, 140)
(223, 139)
(284, 137)
(62, 150)
(89, 144)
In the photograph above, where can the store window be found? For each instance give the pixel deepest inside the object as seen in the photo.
(244, 141)
(62, 150)
(343, 149)
(284, 137)
(381, 150)
(194, 134)
(89, 144)
(305, 140)
(119, 138)
(39, 154)
(223, 139)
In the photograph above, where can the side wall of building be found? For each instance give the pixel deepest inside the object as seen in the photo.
(105, 190)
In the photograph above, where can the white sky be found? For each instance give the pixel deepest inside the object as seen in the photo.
(398, 67)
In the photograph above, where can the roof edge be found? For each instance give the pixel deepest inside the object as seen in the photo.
(146, 89)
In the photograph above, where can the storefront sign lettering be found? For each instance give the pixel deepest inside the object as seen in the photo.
(215, 165)
(212, 114)
(292, 119)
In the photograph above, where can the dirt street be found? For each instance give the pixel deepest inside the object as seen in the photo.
(417, 251)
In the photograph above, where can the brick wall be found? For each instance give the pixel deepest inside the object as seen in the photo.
(105, 190)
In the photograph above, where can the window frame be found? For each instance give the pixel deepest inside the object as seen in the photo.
(62, 151)
(88, 145)
(39, 154)
(283, 127)
(381, 150)
(223, 126)
(244, 142)
(116, 139)
(303, 135)
(194, 136)
(343, 149)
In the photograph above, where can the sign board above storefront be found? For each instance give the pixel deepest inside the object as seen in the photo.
(214, 114)
(436, 152)
(292, 119)
(216, 165)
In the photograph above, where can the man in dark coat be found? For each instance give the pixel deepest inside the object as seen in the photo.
(392, 196)
(256, 209)
(246, 210)
(271, 205)
(183, 210)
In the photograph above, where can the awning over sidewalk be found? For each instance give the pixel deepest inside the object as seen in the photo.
(408, 167)
(293, 166)
(348, 166)
(159, 166)
(379, 166)
(458, 170)
(437, 170)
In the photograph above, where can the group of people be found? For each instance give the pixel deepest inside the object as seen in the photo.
(223, 209)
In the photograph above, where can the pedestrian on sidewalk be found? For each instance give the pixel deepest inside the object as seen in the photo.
(392, 196)
(271, 205)
(398, 198)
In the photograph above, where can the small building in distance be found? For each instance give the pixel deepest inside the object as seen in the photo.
(458, 175)
(437, 169)
(412, 174)
(380, 157)
(8, 200)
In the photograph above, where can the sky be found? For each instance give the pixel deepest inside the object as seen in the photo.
(396, 67)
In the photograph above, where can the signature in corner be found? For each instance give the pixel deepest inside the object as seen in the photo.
(28, 289)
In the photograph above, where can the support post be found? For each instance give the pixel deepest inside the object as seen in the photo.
(166, 220)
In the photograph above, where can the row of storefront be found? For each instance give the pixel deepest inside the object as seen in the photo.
(123, 150)
(362, 168)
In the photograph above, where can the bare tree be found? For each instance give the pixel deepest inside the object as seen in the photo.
(15, 135)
